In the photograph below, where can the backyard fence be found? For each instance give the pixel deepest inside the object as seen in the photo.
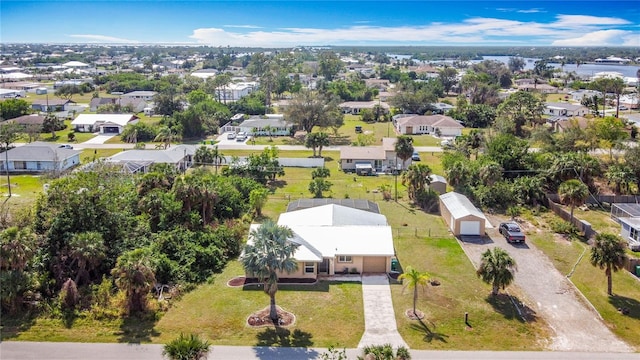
(582, 226)
(599, 199)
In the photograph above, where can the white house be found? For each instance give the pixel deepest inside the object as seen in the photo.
(368, 160)
(336, 239)
(356, 107)
(143, 95)
(39, 157)
(256, 125)
(235, 91)
(103, 123)
(411, 124)
(565, 109)
(134, 161)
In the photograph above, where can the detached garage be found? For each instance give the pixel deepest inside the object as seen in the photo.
(462, 217)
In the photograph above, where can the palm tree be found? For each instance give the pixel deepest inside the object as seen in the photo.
(416, 179)
(257, 199)
(186, 348)
(270, 254)
(496, 268)
(87, 250)
(573, 193)
(404, 148)
(217, 157)
(414, 279)
(133, 275)
(608, 253)
(166, 135)
(18, 246)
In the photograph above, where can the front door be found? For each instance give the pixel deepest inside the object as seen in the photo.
(323, 267)
(409, 130)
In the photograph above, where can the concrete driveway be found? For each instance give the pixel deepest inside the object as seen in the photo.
(379, 317)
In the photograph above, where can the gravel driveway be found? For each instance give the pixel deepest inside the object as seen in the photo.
(552, 296)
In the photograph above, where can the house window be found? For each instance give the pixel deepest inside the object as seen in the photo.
(634, 234)
(20, 165)
(349, 161)
(344, 259)
(309, 268)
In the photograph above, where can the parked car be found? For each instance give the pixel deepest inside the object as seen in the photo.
(415, 156)
(623, 108)
(65, 146)
(231, 136)
(511, 232)
(242, 136)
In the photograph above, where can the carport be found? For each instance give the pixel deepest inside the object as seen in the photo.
(462, 217)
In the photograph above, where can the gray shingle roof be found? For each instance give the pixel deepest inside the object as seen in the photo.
(359, 204)
(40, 151)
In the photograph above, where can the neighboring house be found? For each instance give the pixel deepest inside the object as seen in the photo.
(542, 88)
(205, 73)
(356, 107)
(12, 93)
(235, 91)
(51, 105)
(103, 123)
(438, 183)
(369, 160)
(256, 125)
(143, 95)
(630, 231)
(25, 120)
(461, 216)
(578, 95)
(631, 101)
(95, 103)
(380, 84)
(139, 161)
(39, 157)
(136, 105)
(565, 109)
(442, 108)
(337, 239)
(565, 124)
(407, 124)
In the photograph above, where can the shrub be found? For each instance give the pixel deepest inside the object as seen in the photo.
(187, 347)
(563, 227)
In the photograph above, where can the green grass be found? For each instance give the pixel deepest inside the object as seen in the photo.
(24, 190)
(329, 314)
(89, 155)
(325, 313)
(425, 245)
(592, 282)
(83, 99)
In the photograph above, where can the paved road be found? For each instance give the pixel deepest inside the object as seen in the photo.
(12, 350)
(379, 317)
(551, 296)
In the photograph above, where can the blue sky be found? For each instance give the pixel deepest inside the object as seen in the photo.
(292, 23)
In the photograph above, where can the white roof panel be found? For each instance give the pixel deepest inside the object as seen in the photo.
(331, 215)
(459, 206)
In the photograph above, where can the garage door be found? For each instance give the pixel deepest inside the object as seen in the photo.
(373, 264)
(470, 228)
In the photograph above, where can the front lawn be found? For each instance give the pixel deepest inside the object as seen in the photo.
(326, 314)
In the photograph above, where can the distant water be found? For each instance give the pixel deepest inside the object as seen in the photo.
(583, 69)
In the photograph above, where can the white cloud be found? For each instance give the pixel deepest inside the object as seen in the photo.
(574, 30)
(531, 11)
(572, 21)
(243, 26)
(103, 38)
(601, 38)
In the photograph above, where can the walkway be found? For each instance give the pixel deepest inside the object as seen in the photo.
(100, 139)
(379, 318)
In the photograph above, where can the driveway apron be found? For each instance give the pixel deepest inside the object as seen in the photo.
(379, 317)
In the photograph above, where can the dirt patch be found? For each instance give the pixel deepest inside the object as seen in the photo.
(562, 239)
(418, 315)
(242, 281)
(261, 318)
